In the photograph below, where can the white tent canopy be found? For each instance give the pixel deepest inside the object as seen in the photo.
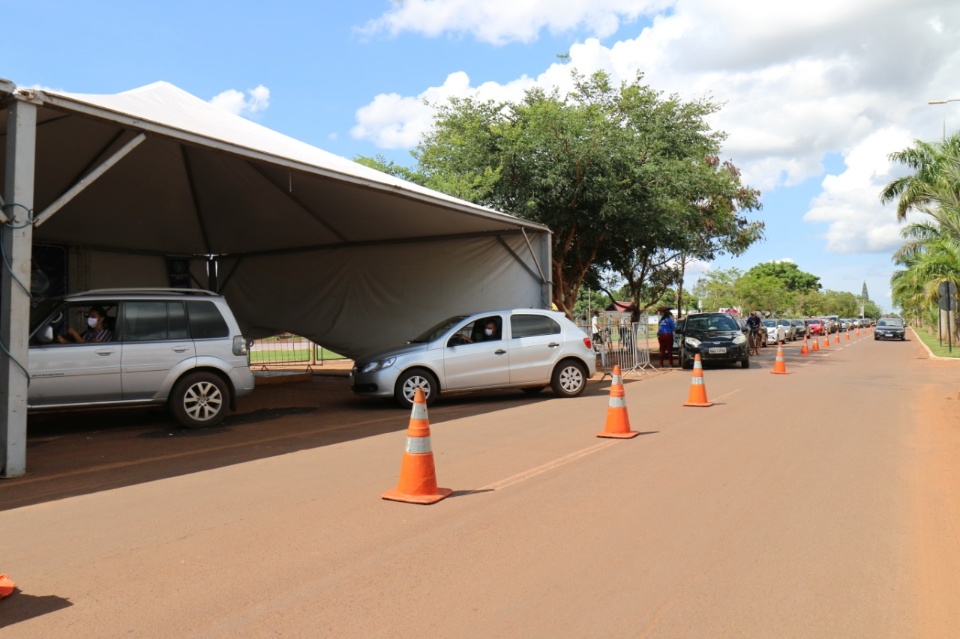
(304, 241)
(307, 241)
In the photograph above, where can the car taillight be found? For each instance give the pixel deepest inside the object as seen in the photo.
(588, 343)
(239, 345)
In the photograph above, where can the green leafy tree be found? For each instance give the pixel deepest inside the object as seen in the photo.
(625, 178)
(718, 289)
(789, 273)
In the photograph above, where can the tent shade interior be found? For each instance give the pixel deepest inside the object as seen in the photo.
(303, 241)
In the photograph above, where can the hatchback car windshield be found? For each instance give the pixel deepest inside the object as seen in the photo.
(436, 331)
(890, 322)
(713, 323)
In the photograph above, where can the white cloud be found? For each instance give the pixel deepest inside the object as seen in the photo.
(797, 81)
(255, 101)
(502, 21)
(849, 202)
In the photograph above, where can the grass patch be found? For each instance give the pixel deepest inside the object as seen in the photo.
(290, 356)
(932, 340)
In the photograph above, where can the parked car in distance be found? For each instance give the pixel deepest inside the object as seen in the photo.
(716, 337)
(801, 328)
(176, 347)
(789, 330)
(528, 349)
(775, 332)
(889, 328)
(814, 325)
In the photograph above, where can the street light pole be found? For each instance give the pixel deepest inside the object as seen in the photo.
(944, 118)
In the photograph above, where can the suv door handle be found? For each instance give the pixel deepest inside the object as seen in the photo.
(552, 345)
(105, 353)
(180, 349)
(499, 351)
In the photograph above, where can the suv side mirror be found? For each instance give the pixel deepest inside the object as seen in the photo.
(46, 334)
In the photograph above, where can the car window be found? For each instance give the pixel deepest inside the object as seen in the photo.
(769, 323)
(711, 323)
(206, 322)
(147, 321)
(475, 331)
(531, 325)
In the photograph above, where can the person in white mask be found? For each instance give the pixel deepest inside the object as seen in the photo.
(96, 329)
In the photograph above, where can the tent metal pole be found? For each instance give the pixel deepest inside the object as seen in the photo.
(78, 188)
(14, 298)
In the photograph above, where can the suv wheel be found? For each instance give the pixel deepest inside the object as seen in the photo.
(569, 378)
(200, 399)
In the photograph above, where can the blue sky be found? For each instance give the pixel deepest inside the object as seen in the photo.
(815, 94)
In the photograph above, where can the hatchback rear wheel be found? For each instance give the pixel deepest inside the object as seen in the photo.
(569, 378)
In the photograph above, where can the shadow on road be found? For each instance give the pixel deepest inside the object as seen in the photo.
(76, 453)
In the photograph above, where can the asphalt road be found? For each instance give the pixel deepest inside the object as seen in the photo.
(822, 503)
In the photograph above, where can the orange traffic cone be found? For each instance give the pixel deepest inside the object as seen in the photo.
(803, 349)
(698, 392)
(418, 477)
(838, 337)
(816, 344)
(618, 422)
(848, 334)
(779, 366)
(6, 586)
(826, 340)
(857, 334)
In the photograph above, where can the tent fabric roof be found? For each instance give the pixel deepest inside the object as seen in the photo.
(212, 176)
(165, 104)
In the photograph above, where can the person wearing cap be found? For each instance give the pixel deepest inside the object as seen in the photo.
(665, 337)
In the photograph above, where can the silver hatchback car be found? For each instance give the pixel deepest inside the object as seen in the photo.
(125, 347)
(523, 348)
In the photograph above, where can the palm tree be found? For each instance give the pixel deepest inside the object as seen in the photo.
(931, 253)
(935, 166)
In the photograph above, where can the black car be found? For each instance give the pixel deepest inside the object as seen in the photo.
(716, 337)
(889, 328)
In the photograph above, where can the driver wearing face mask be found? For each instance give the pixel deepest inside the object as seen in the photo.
(96, 329)
(488, 334)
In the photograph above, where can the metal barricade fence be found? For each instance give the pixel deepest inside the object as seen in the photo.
(623, 344)
(289, 351)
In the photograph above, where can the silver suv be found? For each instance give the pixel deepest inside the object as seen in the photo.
(523, 348)
(180, 347)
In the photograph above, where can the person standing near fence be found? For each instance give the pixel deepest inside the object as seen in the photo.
(665, 337)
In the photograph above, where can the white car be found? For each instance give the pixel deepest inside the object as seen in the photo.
(789, 330)
(528, 349)
(776, 332)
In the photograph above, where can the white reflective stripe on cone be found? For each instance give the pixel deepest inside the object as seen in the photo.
(618, 402)
(418, 444)
(697, 381)
(419, 411)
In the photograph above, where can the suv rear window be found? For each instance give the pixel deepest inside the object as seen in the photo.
(206, 321)
(150, 321)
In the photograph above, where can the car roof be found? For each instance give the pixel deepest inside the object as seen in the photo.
(137, 293)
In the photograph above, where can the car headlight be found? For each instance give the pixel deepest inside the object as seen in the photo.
(372, 367)
(692, 341)
(740, 339)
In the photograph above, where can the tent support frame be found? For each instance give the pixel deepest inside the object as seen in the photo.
(21, 149)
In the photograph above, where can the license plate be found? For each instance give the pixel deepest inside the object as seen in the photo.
(717, 351)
